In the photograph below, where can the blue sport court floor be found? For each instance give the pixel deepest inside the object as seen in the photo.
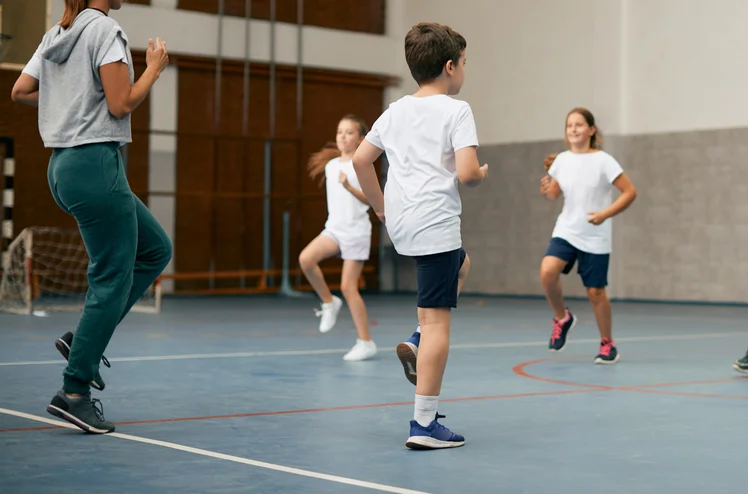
(243, 394)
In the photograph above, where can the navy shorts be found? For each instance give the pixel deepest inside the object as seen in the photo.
(593, 268)
(437, 276)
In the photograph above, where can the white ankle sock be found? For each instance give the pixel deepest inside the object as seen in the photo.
(425, 409)
(418, 329)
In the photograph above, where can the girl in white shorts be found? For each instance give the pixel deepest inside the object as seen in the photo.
(347, 234)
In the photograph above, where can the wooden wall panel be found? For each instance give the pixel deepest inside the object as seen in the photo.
(367, 17)
(195, 174)
(138, 150)
(220, 172)
(34, 205)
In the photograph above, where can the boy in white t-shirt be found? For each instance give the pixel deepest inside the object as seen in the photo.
(586, 176)
(431, 145)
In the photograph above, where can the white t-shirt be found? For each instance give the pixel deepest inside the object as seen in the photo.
(422, 203)
(116, 53)
(347, 217)
(587, 183)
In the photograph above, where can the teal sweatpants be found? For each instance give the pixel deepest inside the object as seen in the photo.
(127, 248)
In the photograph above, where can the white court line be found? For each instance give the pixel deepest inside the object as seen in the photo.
(221, 456)
(458, 346)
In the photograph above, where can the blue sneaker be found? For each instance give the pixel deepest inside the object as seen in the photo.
(435, 436)
(407, 352)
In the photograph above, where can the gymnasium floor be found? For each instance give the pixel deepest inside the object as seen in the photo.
(223, 395)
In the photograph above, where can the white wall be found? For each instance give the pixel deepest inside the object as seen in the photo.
(642, 66)
(686, 65)
(530, 62)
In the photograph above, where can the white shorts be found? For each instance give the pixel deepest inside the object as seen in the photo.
(356, 249)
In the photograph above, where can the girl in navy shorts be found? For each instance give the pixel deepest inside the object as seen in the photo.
(586, 176)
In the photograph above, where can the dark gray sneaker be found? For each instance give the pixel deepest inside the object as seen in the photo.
(741, 365)
(63, 345)
(83, 412)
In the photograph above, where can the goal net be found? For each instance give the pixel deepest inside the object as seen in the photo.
(44, 269)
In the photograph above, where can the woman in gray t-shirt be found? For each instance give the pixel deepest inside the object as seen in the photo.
(81, 78)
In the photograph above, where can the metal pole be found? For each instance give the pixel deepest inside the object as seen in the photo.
(266, 244)
(245, 131)
(216, 131)
(299, 63)
(286, 289)
(299, 106)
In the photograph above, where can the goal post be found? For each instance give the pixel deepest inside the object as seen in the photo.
(45, 269)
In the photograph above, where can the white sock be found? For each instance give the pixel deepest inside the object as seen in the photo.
(418, 329)
(425, 409)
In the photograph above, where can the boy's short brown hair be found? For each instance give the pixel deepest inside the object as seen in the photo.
(428, 47)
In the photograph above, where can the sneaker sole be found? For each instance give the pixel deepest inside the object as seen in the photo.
(737, 367)
(335, 319)
(600, 361)
(57, 412)
(573, 323)
(64, 349)
(407, 357)
(360, 358)
(425, 442)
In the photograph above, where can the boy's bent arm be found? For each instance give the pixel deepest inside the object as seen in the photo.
(469, 171)
(363, 162)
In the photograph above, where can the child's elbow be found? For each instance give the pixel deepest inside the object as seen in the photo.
(632, 193)
(16, 94)
(469, 179)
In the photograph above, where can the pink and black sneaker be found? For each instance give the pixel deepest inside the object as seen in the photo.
(560, 331)
(608, 353)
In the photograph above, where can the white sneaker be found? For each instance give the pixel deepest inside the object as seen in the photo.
(329, 314)
(362, 350)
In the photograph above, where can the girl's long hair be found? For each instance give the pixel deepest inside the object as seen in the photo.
(319, 160)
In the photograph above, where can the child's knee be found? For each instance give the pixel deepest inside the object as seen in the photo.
(548, 274)
(306, 262)
(597, 295)
(349, 287)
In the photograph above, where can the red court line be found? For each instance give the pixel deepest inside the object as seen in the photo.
(22, 429)
(641, 388)
(317, 410)
(518, 369)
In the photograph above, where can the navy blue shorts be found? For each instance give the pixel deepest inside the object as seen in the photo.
(437, 276)
(593, 268)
